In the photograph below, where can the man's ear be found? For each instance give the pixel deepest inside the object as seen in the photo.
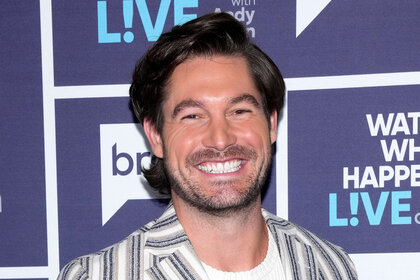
(154, 138)
(273, 126)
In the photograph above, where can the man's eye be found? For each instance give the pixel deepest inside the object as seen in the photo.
(191, 116)
(241, 111)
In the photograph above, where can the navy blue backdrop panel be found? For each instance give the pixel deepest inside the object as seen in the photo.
(91, 45)
(354, 166)
(23, 239)
(79, 178)
(347, 37)
(90, 37)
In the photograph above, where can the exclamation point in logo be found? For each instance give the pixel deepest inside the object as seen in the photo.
(354, 205)
(128, 20)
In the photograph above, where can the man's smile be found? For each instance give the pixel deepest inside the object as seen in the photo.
(220, 167)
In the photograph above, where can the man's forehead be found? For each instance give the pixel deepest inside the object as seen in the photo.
(191, 80)
(205, 65)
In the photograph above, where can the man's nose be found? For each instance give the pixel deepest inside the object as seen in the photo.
(220, 134)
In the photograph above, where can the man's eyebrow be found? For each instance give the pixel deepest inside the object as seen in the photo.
(246, 97)
(185, 104)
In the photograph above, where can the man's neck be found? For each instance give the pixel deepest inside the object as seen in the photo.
(235, 242)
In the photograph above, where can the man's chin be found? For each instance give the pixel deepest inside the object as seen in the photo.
(221, 205)
(218, 195)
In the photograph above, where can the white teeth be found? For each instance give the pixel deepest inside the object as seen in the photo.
(227, 167)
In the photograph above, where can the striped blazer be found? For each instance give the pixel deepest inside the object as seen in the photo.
(162, 250)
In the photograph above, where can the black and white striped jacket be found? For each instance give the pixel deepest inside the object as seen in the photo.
(162, 250)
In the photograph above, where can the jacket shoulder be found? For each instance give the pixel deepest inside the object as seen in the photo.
(92, 265)
(319, 256)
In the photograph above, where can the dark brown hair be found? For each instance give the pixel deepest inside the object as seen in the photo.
(209, 35)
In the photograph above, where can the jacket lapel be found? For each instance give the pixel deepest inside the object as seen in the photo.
(297, 257)
(168, 253)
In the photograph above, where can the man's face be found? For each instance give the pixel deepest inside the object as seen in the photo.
(216, 138)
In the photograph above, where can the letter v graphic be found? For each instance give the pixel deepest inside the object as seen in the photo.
(153, 32)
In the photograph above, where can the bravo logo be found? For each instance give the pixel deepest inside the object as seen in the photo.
(151, 29)
(123, 152)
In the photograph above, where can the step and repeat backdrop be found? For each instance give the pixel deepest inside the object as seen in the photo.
(347, 165)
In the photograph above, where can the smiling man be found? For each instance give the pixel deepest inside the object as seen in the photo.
(209, 102)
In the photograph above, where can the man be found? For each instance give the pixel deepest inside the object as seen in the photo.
(209, 102)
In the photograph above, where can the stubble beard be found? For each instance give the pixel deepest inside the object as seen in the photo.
(227, 198)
